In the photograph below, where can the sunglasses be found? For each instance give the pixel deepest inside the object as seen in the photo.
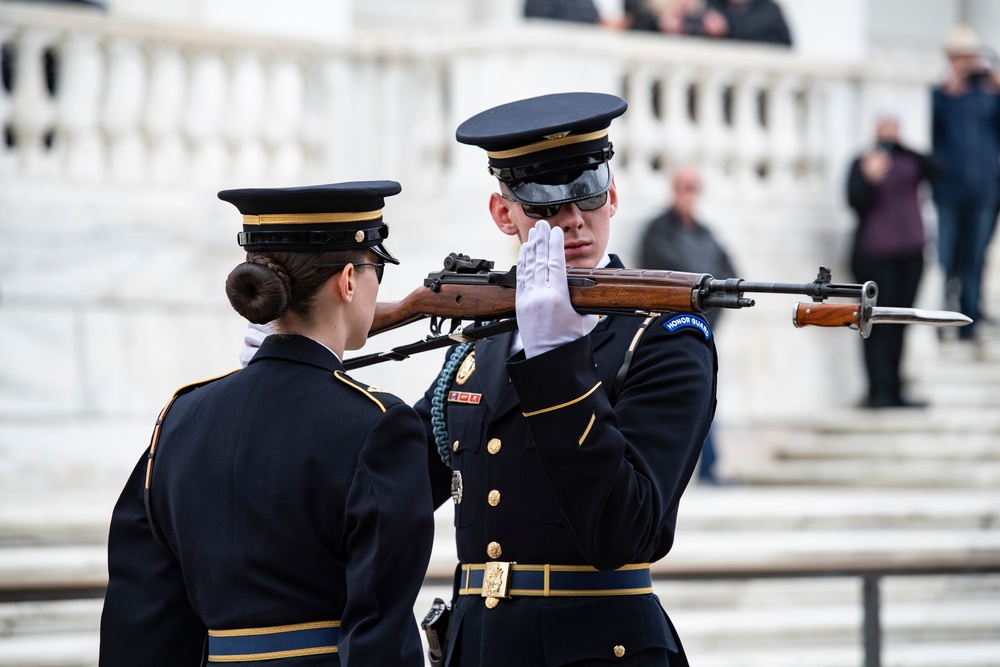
(379, 267)
(549, 210)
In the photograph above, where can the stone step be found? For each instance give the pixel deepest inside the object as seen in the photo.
(896, 421)
(977, 448)
(875, 474)
(56, 616)
(961, 653)
(73, 649)
(791, 625)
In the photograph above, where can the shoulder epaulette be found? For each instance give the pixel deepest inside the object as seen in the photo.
(201, 383)
(363, 388)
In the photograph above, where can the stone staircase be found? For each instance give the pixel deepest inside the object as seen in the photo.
(849, 484)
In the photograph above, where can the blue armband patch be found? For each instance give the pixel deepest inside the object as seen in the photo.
(678, 322)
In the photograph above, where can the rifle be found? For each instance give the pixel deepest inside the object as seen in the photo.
(469, 290)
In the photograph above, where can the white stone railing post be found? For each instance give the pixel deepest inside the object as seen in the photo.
(78, 142)
(680, 131)
(713, 131)
(33, 109)
(240, 108)
(161, 118)
(749, 140)
(784, 131)
(202, 120)
(282, 120)
(122, 112)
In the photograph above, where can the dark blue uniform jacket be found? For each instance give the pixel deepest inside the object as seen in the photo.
(285, 493)
(595, 481)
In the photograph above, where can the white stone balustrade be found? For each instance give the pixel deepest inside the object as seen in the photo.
(124, 155)
(231, 105)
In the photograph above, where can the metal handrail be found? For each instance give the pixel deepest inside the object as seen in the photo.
(870, 569)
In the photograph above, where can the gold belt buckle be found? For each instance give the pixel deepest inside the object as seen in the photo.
(496, 582)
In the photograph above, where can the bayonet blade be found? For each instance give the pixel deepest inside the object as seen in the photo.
(934, 318)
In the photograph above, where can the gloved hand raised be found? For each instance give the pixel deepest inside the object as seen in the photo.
(254, 336)
(545, 316)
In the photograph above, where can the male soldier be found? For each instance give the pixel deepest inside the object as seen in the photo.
(564, 446)
(568, 446)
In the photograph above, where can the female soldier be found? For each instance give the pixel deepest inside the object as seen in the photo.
(282, 512)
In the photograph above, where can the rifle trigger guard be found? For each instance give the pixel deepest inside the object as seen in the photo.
(435, 325)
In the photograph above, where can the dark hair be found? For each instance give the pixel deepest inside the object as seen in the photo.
(263, 287)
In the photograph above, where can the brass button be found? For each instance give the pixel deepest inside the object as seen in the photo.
(492, 602)
(494, 498)
(619, 651)
(493, 446)
(493, 550)
(454, 447)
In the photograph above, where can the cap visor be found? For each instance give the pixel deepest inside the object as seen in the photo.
(384, 254)
(576, 186)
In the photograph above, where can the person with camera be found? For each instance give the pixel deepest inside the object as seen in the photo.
(883, 189)
(966, 138)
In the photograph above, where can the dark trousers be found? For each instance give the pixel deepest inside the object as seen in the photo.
(964, 232)
(897, 279)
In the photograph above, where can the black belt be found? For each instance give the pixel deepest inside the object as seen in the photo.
(499, 579)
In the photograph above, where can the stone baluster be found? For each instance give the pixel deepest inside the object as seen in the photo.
(680, 130)
(32, 110)
(642, 141)
(202, 118)
(6, 161)
(715, 133)
(123, 108)
(284, 111)
(335, 121)
(815, 144)
(392, 114)
(785, 134)
(161, 117)
(245, 114)
(749, 139)
(78, 140)
(429, 134)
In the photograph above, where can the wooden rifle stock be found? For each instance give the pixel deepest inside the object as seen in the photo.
(468, 290)
(490, 296)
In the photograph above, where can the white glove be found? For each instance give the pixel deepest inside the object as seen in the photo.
(254, 336)
(545, 315)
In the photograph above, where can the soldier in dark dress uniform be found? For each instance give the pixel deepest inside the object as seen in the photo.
(282, 513)
(565, 447)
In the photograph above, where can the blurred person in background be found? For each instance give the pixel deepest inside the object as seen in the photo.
(883, 189)
(676, 240)
(965, 112)
(749, 21)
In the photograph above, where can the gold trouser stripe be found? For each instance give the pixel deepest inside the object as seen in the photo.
(306, 218)
(545, 144)
(243, 632)
(563, 405)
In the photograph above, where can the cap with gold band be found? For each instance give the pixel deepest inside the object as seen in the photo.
(549, 149)
(314, 218)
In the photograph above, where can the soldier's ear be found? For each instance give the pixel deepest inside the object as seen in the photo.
(500, 209)
(343, 283)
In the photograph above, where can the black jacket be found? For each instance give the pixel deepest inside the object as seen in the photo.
(285, 493)
(595, 482)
